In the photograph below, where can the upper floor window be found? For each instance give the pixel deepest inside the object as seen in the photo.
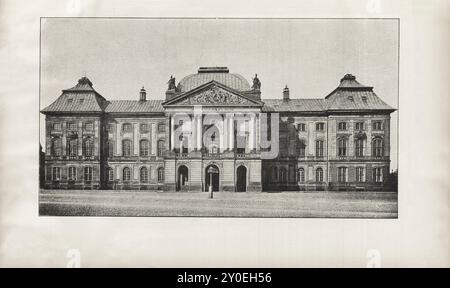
(56, 173)
(126, 174)
(72, 126)
(56, 126)
(301, 148)
(89, 126)
(301, 127)
(359, 126)
(88, 147)
(144, 128)
(110, 149)
(126, 147)
(377, 147)
(319, 175)
(301, 175)
(377, 125)
(110, 127)
(342, 126)
(319, 148)
(320, 126)
(72, 147)
(342, 147)
(144, 148)
(56, 146)
(342, 174)
(161, 127)
(127, 127)
(359, 147)
(378, 174)
(87, 173)
(72, 173)
(160, 151)
(359, 174)
(160, 174)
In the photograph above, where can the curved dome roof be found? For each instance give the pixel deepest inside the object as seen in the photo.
(219, 74)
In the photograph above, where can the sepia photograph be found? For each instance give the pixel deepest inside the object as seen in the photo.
(219, 117)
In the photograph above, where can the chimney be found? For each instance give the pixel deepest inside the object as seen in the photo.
(143, 95)
(286, 93)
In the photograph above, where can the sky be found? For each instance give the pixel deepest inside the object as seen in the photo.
(120, 56)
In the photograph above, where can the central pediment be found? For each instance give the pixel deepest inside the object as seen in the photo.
(213, 94)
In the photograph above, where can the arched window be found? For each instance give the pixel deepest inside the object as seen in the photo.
(301, 175)
(160, 148)
(87, 173)
(144, 175)
(342, 174)
(88, 147)
(72, 147)
(126, 174)
(342, 147)
(110, 174)
(282, 176)
(359, 147)
(126, 147)
(319, 148)
(301, 148)
(319, 175)
(144, 148)
(56, 146)
(72, 173)
(160, 174)
(377, 147)
(110, 149)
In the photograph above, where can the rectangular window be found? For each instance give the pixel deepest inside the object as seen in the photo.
(72, 173)
(377, 125)
(301, 127)
(342, 174)
(144, 128)
(359, 174)
(161, 128)
(359, 147)
(110, 127)
(319, 148)
(89, 126)
(127, 127)
(56, 174)
(72, 126)
(88, 174)
(342, 147)
(56, 126)
(320, 126)
(359, 126)
(378, 175)
(342, 126)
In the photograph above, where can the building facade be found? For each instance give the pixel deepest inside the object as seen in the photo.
(213, 129)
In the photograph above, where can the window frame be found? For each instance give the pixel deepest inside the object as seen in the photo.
(144, 151)
(56, 173)
(360, 174)
(319, 175)
(126, 174)
(301, 175)
(72, 173)
(144, 179)
(127, 147)
(320, 126)
(160, 175)
(342, 149)
(319, 148)
(342, 174)
(88, 171)
(342, 126)
(127, 127)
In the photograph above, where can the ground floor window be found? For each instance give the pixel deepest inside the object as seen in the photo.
(56, 174)
(342, 174)
(378, 174)
(72, 173)
(160, 174)
(359, 174)
(126, 174)
(110, 173)
(144, 175)
(301, 175)
(87, 173)
(319, 175)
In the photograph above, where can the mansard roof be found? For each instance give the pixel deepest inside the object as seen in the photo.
(135, 106)
(82, 98)
(293, 105)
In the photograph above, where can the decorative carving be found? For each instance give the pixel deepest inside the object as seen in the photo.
(171, 82)
(360, 135)
(215, 95)
(257, 83)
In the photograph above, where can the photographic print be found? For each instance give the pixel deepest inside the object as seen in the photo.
(219, 117)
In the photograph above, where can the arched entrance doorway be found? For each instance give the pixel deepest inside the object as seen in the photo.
(241, 179)
(182, 178)
(212, 177)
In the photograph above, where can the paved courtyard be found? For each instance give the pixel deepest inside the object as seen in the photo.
(224, 204)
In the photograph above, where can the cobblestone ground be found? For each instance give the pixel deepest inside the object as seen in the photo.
(224, 204)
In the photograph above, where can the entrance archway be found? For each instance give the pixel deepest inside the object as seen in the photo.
(241, 179)
(182, 178)
(212, 177)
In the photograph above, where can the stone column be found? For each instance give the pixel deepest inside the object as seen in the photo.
(225, 133)
(231, 132)
(118, 140)
(154, 138)
(199, 132)
(251, 126)
(172, 132)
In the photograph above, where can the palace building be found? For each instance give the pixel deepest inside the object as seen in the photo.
(213, 129)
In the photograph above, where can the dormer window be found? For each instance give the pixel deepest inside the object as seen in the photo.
(70, 101)
(364, 99)
(81, 101)
(351, 98)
